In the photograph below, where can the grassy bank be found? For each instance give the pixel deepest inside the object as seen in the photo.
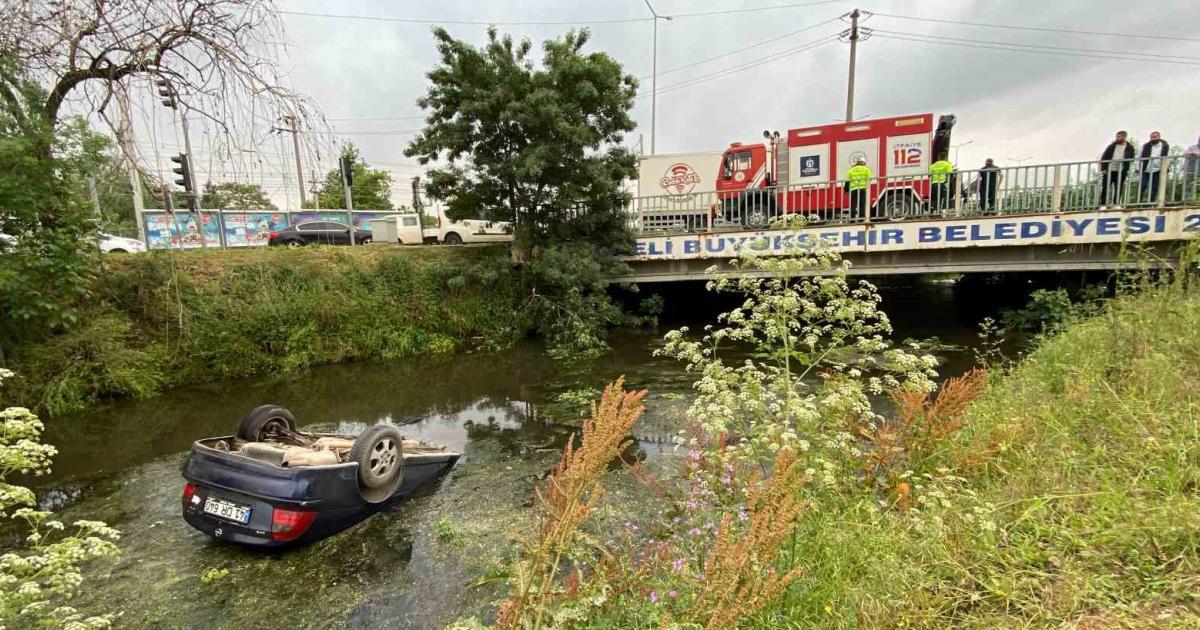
(167, 318)
(1069, 497)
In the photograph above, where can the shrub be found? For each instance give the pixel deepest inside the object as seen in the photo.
(38, 577)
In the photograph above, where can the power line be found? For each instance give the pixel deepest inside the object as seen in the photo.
(1027, 45)
(1036, 28)
(1015, 48)
(745, 48)
(745, 66)
(421, 117)
(384, 132)
(374, 18)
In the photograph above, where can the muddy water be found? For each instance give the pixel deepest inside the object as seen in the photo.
(121, 464)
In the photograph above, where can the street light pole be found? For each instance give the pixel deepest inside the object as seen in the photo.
(959, 146)
(654, 75)
(853, 58)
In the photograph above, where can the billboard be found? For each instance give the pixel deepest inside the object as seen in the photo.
(251, 229)
(183, 230)
(679, 178)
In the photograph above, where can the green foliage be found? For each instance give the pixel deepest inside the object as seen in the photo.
(536, 146)
(448, 532)
(39, 576)
(103, 357)
(44, 281)
(168, 318)
(213, 575)
(236, 196)
(568, 298)
(1050, 310)
(371, 189)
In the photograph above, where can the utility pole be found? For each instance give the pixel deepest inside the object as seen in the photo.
(853, 58)
(128, 151)
(417, 205)
(654, 77)
(347, 167)
(294, 128)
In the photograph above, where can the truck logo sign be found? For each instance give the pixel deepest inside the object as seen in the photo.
(679, 180)
(810, 166)
(907, 155)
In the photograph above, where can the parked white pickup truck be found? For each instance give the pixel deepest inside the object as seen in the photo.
(410, 232)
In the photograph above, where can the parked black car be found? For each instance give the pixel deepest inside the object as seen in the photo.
(317, 233)
(274, 486)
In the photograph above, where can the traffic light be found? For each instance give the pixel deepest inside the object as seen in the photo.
(165, 91)
(163, 194)
(184, 171)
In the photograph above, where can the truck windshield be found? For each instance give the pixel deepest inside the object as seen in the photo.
(735, 162)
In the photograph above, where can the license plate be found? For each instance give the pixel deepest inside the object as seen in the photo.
(227, 510)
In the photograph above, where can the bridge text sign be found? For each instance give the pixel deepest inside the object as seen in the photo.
(1074, 228)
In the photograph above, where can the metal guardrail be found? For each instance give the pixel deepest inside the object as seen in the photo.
(1039, 188)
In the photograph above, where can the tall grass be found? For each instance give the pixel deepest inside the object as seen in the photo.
(1072, 495)
(167, 318)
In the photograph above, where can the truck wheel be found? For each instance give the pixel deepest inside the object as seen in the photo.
(895, 208)
(263, 421)
(453, 239)
(756, 216)
(379, 452)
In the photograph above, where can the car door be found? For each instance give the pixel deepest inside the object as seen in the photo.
(408, 230)
(309, 232)
(337, 233)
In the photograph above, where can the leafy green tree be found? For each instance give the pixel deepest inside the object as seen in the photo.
(539, 146)
(235, 196)
(372, 188)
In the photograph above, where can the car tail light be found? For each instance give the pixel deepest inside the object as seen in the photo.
(272, 235)
(289, 524)
(439, 221)
(189, 490)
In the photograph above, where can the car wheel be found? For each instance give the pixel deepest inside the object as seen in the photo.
(117, 250)
(294, 244)
(453, 239)
(264, 421)
(379, 452)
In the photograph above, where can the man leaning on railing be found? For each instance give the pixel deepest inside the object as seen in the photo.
(1114, 166)
(1191, 171)
(1150, 163)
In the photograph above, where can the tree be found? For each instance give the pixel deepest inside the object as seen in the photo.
(537, 146)
(236, 196)
(372, 188)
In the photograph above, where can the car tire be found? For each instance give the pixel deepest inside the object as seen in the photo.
(116, 250)
(453, 239)
(293, 244)
(260, 422)
(379, 452)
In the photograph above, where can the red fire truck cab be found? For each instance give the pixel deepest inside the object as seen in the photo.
(805, 173)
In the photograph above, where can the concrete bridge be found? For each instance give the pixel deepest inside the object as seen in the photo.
(1046, 219)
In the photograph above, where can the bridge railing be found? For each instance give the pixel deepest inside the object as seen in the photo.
(1038, 188)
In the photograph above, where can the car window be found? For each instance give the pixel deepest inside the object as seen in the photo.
(409, 221)
(308, 227)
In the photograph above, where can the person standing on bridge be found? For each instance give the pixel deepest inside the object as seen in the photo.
(1151, 162)
(858, 182)
(987, 185)
(1191, 171)
(940, 173)
(1114, 166)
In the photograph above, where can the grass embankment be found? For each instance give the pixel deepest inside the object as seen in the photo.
(1078, 504)
(166, 318)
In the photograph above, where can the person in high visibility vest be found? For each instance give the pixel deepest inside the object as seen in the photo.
(939, 185)
(858, 183)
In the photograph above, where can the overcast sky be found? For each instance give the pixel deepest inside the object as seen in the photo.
(366, 75)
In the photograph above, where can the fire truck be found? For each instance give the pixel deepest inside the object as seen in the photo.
(805, 172)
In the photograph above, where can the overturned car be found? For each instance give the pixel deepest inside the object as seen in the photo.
(272, 485)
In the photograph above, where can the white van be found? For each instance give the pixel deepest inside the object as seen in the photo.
(410, 232)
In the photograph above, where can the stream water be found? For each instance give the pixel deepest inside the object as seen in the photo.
(120, 463)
